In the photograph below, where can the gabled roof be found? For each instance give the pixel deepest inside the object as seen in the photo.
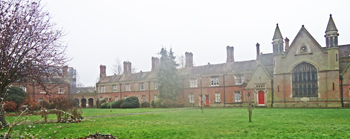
(303, 29)
(331, 25)
(277, 34)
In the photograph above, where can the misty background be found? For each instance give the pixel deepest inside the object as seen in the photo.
(99, 32)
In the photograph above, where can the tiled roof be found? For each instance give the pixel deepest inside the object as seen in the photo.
(266, 59)
(243, 66)
(344, 50)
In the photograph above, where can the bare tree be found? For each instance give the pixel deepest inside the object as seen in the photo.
(133, 69)
(181, 61)
(117, 68)
(31, 47)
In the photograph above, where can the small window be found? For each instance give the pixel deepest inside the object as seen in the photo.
(260, 86)
(42, 91)
(125, 97)
(142, 86)
(114, 88)
(155, 97)
(193, 83)
(214, 81)
(191, 98)
(155, 85)
(144, 99)
(60, 90)
(237, 96)
(115, 98)
(101, 98)
(217, 97)
(239, 79)
(127, 87)
(102, 89)
(23, 88)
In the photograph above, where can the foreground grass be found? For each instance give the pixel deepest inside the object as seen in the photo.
(87, 113)
(216, 123)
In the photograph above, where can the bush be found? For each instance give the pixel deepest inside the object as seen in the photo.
(16, 95)
(167, 103)
(103, 105)
(10, 106)
(45, 104)
(134, 102)
(127, 105)
(157, 103)
(145, 105)
(117, 103)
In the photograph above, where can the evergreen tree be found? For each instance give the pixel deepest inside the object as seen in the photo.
(167, 77)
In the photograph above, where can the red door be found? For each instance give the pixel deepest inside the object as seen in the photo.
(206, 100)
(261, 97)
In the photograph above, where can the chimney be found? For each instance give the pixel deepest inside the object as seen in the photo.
(287, 44)
(155, 63)
(230, 57)
(102, 71)
(257, 50)
(127, 67)
(65, 71)
(189, 59)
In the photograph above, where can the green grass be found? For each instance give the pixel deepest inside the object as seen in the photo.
(215, 123)
(87, 113)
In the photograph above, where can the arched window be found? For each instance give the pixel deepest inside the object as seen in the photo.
(305, 80)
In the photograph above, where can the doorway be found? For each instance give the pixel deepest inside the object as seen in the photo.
(261, 98)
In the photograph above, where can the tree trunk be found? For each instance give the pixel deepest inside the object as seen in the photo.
(2, 117)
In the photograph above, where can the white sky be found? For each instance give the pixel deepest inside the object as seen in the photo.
(99, 31)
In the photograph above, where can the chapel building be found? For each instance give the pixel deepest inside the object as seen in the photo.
(298, 74)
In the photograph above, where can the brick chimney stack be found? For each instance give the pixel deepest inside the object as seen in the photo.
(189, 59)
(155, 63)
(127, 67)
(102, 71)
(230, 57)
(257, 50)
(287, 44)
(65, 71)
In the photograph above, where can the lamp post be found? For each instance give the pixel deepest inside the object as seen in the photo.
(200, 78)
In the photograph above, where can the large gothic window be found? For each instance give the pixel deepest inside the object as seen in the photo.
(305, 80)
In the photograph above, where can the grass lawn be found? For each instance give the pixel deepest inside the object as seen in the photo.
(214, 123)
(88, 113)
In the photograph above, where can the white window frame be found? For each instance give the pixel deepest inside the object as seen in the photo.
(60, 90)
(193, 83)
(217, 97)
(214, 81)
(191, 98)
(142, 86)
(102, 89)
(155, 97)
(155, 85)
(127, 87)
(115, 98)
(101, 98)
(125, 97)
(237, 96)
(23, 88)
(42, 91)
(114, 88)
(239, 78)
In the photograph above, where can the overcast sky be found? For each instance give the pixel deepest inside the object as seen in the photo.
(100, 31)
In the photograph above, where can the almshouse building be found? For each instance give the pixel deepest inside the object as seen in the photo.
(298, 74)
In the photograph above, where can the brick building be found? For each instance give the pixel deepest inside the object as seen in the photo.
(298, 74)
(56, 86)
